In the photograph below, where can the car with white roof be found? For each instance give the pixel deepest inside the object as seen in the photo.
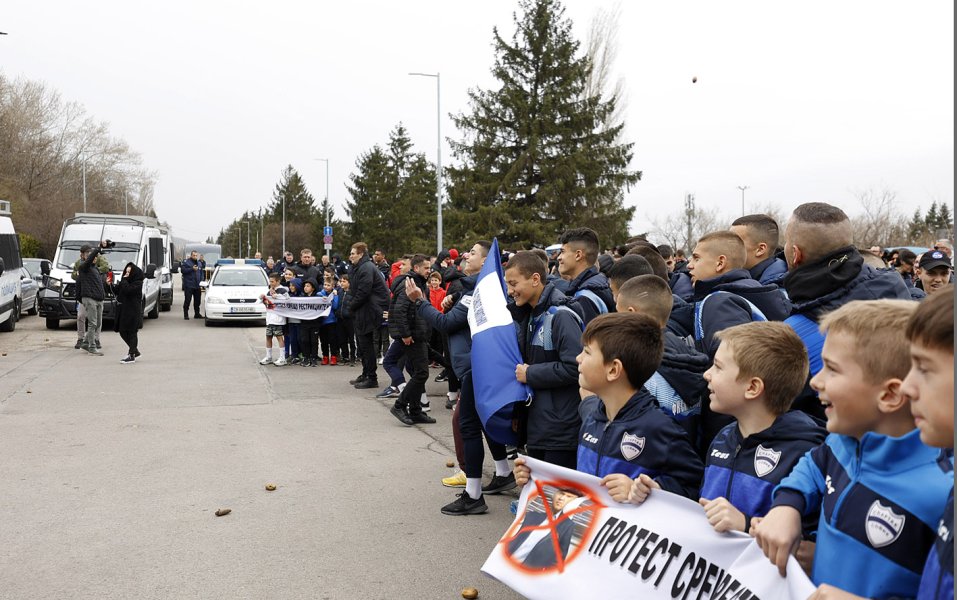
(234, 290)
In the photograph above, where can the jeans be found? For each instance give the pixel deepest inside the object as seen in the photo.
(94, 320)
(393, 361)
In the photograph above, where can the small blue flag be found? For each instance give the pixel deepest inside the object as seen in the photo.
(495, 352)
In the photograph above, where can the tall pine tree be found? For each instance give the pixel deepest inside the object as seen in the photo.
(538, 156)
(292, 197)
(393, 198)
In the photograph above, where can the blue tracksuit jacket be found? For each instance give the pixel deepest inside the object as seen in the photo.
(746, 471)
(880, 500)
(937, 582)
(641, 439)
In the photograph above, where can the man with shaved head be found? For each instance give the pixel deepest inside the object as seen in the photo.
(760, 236)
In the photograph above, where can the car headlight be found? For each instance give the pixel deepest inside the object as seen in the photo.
(54, 284)
(214, 300)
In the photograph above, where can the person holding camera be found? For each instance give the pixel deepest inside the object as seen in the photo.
(192, 270)
(91, 282)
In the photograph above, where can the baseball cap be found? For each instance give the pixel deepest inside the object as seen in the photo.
(933, 259)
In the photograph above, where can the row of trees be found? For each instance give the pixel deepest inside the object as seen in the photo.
(540, 151)
(46, 143)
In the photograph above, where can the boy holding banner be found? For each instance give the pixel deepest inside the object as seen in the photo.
(879, 489)
(624, 437)
(274, 322)
(758, 370)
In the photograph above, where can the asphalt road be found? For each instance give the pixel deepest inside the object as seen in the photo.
(111, 475)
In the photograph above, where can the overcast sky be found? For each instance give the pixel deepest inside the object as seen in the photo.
(799, 101)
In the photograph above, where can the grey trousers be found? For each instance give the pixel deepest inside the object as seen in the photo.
(94, 320)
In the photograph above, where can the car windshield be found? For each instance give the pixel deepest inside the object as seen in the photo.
(117, 257)
(240, 277)
(32, 265)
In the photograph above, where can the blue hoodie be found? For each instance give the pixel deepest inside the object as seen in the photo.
(331, 317)
(641, 439)
(880, 500)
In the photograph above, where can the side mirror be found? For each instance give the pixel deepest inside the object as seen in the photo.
(203, 285)
(151, 271)
(175, 268)
(45, 267)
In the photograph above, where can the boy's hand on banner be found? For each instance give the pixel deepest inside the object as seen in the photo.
(641, 488)
(618, 486)
(778, 534)
(522, 472)
(520, 372)
(722, 515)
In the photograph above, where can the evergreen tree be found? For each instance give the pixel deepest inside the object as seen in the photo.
(932, 218)
(945, 219)
(299, 203)
(393, 198)
(916, 228)
(538, 155)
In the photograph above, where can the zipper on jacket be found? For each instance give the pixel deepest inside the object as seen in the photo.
(854, 473)
(601, 444)
(734, 459)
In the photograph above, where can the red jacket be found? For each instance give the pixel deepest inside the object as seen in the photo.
(436, 297)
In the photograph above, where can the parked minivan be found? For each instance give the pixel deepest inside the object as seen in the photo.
(10, 264)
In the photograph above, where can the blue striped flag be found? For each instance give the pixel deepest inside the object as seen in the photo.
(495, 352)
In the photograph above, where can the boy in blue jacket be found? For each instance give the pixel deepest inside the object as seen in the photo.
(625, 439)
(758, 370)
(878, 487)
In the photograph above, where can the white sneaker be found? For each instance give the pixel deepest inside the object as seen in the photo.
(380, 360)
(266, 361)
(280, 363)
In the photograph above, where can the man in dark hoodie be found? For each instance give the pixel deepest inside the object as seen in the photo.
(549, 338)
(825, 272)
(724, 292)
(761, 237)
(370, 298)
(91, 282)
(576, 264)
(413, 332)
(678, 384)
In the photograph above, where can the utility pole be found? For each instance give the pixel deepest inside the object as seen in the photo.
(689, 216)
(742, 188)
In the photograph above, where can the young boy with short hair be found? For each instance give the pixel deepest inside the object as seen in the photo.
(328, 330)
(758, 370)
(274, 322)
(879, 489)
(930, 386)
(549, 339)
(623, 435)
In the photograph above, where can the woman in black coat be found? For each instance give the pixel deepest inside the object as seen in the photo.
(129, 318)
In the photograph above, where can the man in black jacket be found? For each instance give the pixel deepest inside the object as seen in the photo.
(413, 332)
(370, 299)
(91, 282)
(192, 271)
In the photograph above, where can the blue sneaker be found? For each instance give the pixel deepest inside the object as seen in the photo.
(389, 392)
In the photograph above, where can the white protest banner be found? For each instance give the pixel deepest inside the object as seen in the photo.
(304, 307)
(571, 540)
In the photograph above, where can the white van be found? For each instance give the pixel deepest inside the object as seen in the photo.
(164, 270)
(137, 239)
(10, 264)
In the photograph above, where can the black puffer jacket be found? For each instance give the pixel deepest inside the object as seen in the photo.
(403, 320)
(592, 281)
(129, 295)
(370, 296)
(90, 280)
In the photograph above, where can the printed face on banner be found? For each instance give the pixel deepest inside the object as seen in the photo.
(556, 524)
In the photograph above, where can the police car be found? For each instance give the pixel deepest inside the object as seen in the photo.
(233, 291)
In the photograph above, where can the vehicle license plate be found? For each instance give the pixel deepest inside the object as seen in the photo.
(242, 309)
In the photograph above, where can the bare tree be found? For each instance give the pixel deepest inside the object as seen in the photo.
(674, 230)
(602, 50)
(879, 222)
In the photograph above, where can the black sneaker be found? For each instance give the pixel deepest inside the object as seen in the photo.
(499, 484)
(421, 418)
(128, 360)
(358, 379)
(186, 317)
(389, 392)
(136, 354)
(78, 344)
(441, 377)
(465, 505)
(368, 384)
(399, 414)
(98, 346)
(94, 351)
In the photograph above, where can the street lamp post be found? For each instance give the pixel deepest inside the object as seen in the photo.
(83, 154)
(742, 188)
(438, 152)
(326, 160)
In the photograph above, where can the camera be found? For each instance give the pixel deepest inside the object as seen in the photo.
(110, 244)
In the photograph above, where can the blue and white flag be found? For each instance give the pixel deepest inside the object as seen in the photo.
(495, 352)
